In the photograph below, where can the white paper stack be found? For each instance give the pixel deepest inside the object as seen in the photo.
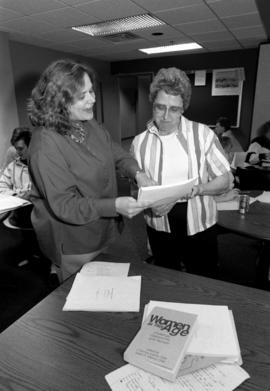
(213, 355)
(104, 286)
(8, 202)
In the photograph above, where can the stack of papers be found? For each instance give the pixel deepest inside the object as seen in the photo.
(104, 286)
(212, 360)
(264, 197)
(233, 204)
(8, 202)
(166, 193)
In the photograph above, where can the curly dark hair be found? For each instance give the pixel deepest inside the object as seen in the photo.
(224, 122)
(174, 82)
(21, 133)
(54, 92)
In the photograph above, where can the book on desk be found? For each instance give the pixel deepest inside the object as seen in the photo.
(160, 345)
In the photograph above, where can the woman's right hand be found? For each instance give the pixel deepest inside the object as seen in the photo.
(129, 207)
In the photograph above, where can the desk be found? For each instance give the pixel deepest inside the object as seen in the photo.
(254, 224)
(51, 350)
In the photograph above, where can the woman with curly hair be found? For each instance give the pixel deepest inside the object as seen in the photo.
(259, 148)
(72, 162)
(174, 149)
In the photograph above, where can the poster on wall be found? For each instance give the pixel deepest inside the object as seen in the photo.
(227, 81)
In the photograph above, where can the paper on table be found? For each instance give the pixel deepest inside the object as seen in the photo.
(233, 204)
(8, 202)
(218, 377)
(264, 197)
(214, 335)
(104, 293)
(166, 192)
(105, 269)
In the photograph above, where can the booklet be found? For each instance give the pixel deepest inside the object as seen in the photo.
(160, 344)
(166, 193)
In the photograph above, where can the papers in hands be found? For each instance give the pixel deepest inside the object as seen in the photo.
(219, 377)
(8, 202)
(104, 293)
(166, 193)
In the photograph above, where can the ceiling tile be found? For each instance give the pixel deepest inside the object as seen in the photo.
(252, 19)
(204, 26)
(167, 32)
(111, 9)
(232, 7)
(29, 7)
(160, 5)
(214, 36)
(186, 14)
(249, 32)
(222, 45)
(6, 14)
(26, 24)
(65, 17)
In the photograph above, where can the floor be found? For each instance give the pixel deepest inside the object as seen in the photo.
(23, 284)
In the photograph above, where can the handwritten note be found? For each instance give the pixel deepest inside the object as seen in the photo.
(105, 269)
(103, 293)
(217, 377)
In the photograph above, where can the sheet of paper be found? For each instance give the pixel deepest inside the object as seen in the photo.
(264, 197)
(8, 203)
(219, 377)
(233, 204)
(104, 293)
(105, 269)
(214, 335)
(168, 193)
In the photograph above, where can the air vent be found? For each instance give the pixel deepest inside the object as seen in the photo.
(120, 37)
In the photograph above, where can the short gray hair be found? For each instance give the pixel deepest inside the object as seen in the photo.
(174, 82)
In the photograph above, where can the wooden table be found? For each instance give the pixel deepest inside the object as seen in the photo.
(51, 350)
(254, 224)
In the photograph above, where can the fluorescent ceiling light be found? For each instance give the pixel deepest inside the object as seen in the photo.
(130, 23)
(172, 48)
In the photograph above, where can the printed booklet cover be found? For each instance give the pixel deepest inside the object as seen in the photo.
(159, 346)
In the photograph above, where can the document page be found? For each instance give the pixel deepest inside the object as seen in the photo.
(166, 193)
(8, 203)
(217, 377)
(103, 293)
(105, 269)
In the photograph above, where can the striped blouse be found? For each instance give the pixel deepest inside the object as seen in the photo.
(206, 161)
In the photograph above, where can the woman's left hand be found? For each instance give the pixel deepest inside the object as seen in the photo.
(144, 181)
(162, 209)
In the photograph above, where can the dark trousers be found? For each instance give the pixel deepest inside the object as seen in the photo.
(198, 252)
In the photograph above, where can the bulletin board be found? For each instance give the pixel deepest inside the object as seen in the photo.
(206, 108)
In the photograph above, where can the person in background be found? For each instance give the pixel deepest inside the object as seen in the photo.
(259, 148)
(173, 149)
(15, 179)
(73, 163)
(11, 155)
(223, 129)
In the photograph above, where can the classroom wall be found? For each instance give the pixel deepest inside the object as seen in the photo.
(28, 62)
(8, 107)
(262, 94)
(229, 59)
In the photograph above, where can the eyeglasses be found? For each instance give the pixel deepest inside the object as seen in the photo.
(159, 108)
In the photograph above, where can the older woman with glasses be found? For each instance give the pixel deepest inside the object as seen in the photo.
(174, 149)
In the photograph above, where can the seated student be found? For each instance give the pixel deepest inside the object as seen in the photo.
(15, 179)
(259, 148)
(223, 129)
